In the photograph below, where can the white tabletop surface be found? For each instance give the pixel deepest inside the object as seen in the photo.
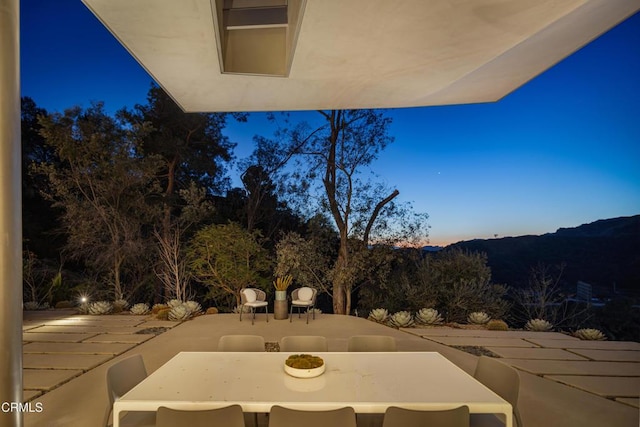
(368, 382)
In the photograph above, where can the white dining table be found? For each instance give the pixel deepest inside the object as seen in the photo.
(367, 382)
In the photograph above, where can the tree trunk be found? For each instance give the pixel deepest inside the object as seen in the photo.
(347, 304)
(161, 290)
(339, 285)
(117, 286)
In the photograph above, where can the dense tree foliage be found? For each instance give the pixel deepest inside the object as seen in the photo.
(101, 185)
(227, 258)
(40, 219)
(461, 284)
(194, 154)
(453, 281)
(310, 259)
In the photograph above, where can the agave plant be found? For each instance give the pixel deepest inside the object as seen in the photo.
(120, 305)
(590, 334)
(193, 306)
(401, 319)
(100, 307)
(428, 316)
(140, 309)
(174, 303)
(379, 315)
(179, 312)
(84, 308)
(31, 305)
(478, 318)
(538, 325)
(314, 311)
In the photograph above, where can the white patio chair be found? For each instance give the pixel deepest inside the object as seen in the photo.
(371, 343)
(304, 343)
(122, 376)
(303, 297)
(241, 343)
(400, 417)
(504, 381)
(230, 416)
(284, 417)
(253, 298)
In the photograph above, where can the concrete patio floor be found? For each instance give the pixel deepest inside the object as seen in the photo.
(564, 381)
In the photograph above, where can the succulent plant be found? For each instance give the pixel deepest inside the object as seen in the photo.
(193, 306)
(120, 305)
(478, 318)
(140, 309)
(31, 305)
(538, 325)
(497, 325)
(379, 315)
(590, 334)
(157, 307)
(179, 312)
(100, 307)
(163, 313)
(314, 310)
(401, 319)
(428, 316)
(174, 303)
(83, 308)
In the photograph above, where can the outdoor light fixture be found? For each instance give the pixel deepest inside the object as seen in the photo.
(257, 37)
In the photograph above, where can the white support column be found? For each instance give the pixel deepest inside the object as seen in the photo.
(10, 215)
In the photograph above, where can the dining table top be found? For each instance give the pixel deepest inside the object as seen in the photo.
(369, 382)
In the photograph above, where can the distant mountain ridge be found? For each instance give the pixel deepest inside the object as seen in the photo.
(604, 253)
(615, 227)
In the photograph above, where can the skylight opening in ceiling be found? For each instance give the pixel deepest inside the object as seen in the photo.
(257, 37)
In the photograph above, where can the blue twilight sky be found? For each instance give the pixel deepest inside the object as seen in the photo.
(561, 151)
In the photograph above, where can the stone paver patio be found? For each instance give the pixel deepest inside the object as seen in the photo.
(564, 381)
(608, 369)
(60, 345)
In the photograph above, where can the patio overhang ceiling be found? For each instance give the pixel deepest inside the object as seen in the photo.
(270, 55)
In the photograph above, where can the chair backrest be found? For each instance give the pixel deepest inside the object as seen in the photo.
(399, 417)
(371, 343)
(122, 376)
(304, 293)
(230, 416)
(502, 379)
(304, 343)
(241, 343)
(252, 295)
(283, 417)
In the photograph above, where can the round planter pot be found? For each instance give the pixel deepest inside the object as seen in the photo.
(280, 309)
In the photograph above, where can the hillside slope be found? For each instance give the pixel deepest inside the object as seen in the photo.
(603, 253)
